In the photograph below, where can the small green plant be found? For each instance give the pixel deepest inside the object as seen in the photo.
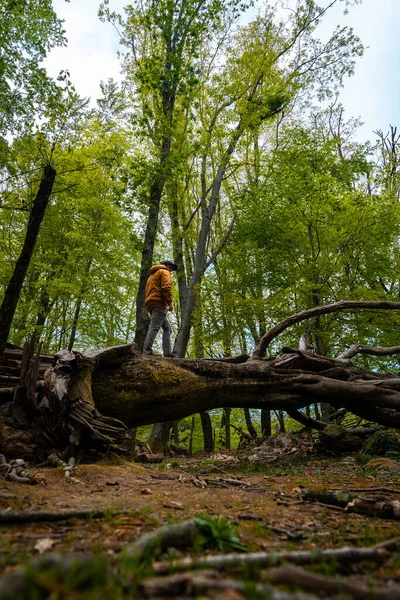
(219, 533)
(362, 459)
(168, 464)
(368, 538)
(139, 565)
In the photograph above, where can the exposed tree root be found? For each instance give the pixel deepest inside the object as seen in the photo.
(176, 535)
(17, 471)
(194, 585)
(296, 576)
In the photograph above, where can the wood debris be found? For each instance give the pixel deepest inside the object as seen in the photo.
(199, 482)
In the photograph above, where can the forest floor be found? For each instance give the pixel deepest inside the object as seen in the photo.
(262, 500)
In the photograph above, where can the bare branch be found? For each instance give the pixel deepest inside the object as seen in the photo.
(317, 311)
(222, 244)
(306, 421)
(359, 349)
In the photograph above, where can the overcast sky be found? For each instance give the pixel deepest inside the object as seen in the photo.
(371, 94)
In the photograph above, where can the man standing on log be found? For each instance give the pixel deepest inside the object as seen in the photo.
(158, 301)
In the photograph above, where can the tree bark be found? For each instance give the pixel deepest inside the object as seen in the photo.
(158, 438)
(207, 431)
(93, 398)
(266, 428)
(250, 426)
(145, 390)
(156, 191)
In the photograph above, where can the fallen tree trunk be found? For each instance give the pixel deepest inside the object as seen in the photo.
(96, 397)
(146, 389)
(92, 399)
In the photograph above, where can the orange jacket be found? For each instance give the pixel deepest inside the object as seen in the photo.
(159, 287)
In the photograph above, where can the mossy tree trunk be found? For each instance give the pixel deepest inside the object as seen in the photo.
(92, 399)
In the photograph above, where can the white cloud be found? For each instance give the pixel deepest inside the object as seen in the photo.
(91, 53)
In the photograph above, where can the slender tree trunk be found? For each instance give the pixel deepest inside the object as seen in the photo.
(158, 438)
(266, 427)
(175, 429)
(182, 339)
(13, 291)
(205, 418)
(281, 421)
(191, 436)
(177, 250)
(250, 426)
(207, 431)
(142, 321)
(78, 308)
(43, 312)
(326, 411)
(227, 423)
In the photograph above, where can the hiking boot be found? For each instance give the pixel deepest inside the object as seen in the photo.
(151, 354)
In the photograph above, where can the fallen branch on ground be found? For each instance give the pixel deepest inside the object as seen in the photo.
(27, 516)
(327, 497)
(360, 349)
(268, 559)
(176, 535)
(296, 576)
(205, 531)
(389, 509)
(195, 585)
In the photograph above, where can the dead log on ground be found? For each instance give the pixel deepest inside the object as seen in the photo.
(91, 399)
(30, 516)
(242, 562)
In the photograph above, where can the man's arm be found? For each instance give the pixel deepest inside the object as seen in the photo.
(166, 287)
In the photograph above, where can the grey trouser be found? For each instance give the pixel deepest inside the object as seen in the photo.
(158, 320)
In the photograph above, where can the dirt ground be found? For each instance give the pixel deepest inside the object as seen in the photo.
(262, 500)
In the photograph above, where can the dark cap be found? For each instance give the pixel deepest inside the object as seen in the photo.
(169, 263)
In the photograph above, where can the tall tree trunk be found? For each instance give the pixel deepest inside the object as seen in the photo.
(281, 421)
(191, 436)
(227, 423)
(208, 211)
(207, 431)
(175, 429)
(78, 307)
(13, 291)
(250, 426)
(157, 187)
(266, 427)
(158, 438)
(326, 411)
(205, 418)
